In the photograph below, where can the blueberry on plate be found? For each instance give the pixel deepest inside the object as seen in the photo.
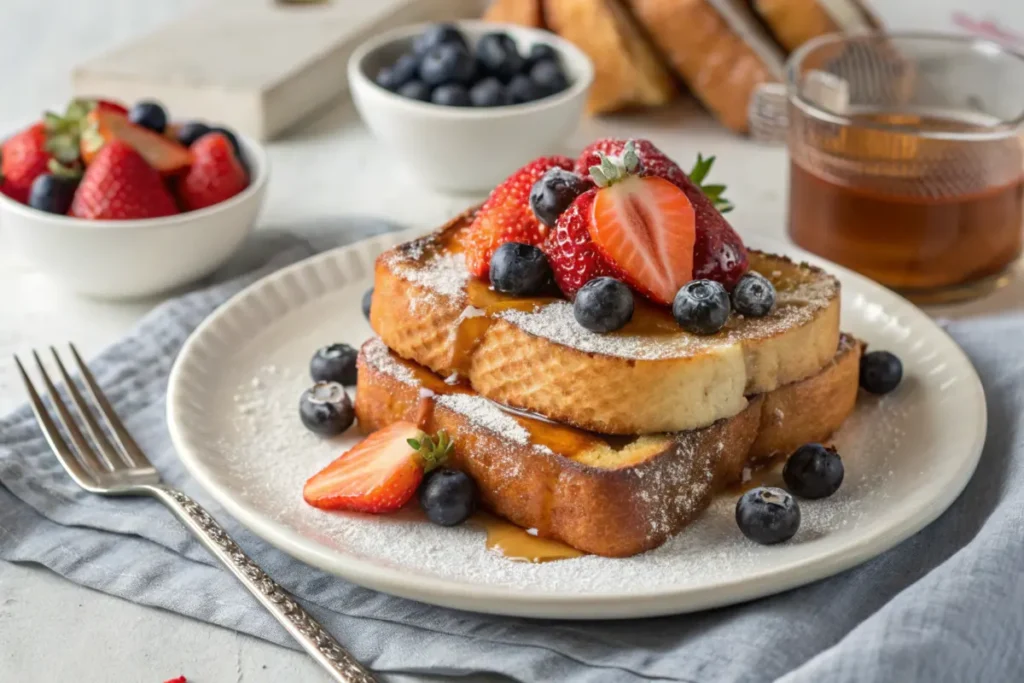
(450, 95)
(334, 363)
(813, 471)
(448, 496)
(603, 305)
(437, 34)
(538, 53)
(521, 90)
(416, 90)
(149, 114)
(880, 372)
(753, 296)
(326, 409)
(448, 63)
(488, 92)
(398, 74)
(191, 131)
(53, 192)
(701, 307)
(519, 269)
(497, 55)
(554, 192)
(767, 515)
(549, 77)
(367, 299)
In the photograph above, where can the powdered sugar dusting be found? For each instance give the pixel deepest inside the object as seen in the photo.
(378, 356)
(486, 414)
(445, 274)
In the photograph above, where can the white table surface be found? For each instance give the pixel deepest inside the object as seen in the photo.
(41, 615)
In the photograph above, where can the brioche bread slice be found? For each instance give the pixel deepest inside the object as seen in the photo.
(649, 377)
(608, 496)
(521, 12)
(794, 22)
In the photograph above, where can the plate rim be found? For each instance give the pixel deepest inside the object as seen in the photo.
(509, 601)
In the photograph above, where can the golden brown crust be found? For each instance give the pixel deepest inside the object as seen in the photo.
(521, 12)
(794, 22)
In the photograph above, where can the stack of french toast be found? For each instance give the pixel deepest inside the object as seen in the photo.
(602, 351)
(721, 50)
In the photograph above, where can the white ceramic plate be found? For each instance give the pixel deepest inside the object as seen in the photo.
(232, 408)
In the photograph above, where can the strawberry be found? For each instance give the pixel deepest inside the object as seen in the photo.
(719, 253)
(379, 474)
(574, 259)
(506, 216)
(111, 106)
(24, 158)
(120, 185)
(215, 174)
(102, 126)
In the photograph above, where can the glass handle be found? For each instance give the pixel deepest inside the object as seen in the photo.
(767, 115)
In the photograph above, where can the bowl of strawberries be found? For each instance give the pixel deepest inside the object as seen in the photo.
(118, 202)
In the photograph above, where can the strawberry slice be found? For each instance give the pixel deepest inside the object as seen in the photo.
(379, 474)
(574, 259)
(103, 125)
(506, 216)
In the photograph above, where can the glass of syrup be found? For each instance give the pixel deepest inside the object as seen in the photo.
(907, 159)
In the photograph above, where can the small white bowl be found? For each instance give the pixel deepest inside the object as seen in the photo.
(464, 149)
(139, 258)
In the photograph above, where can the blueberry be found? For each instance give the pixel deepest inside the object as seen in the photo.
(539, 52)
(447, 63)
(880, 372)
(191, 131)
(326, 409)
(521, 89)
(497, 55)
(232, 138)
(767, 515)
(701, 307)
(415, 90)
(488, 92)
(450, 95)
(367, 299)
(813, 471)
(548, 77)
(448, 496)
(149, 114)
(334, 363)
(553, 193)
(603, 305)
(519, 269)
(398, 74)
(438, 34)
(753, 295)
(53, 193)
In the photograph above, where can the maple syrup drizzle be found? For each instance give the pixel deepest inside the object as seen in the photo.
(514, 543)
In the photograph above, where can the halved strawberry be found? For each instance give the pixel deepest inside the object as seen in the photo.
(379, 474)
(574, 259)
(104, 125)
(506, 216)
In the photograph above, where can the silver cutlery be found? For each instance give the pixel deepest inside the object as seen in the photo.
(122, 469)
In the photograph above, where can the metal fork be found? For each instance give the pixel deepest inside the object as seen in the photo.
(122, 469)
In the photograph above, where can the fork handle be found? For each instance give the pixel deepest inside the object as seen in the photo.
(304, 628)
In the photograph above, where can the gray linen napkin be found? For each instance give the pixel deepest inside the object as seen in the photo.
(946, 605)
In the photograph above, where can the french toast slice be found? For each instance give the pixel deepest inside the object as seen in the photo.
(649, 377)
(794, 22)
(603, 495)
(521, 12)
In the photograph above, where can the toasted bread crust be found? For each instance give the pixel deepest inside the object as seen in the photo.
(613, 384)
(521, 12)
(596, 498)
(794, 22)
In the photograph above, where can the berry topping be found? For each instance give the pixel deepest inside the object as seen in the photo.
(448, 496)
(554, 192)
(506, 215)
(326, 409)
(120, 185)
(519, 269)
(447, 63)
(643, 226)
(191, 131)
(488, 92)
(149, 115)
(398, 74)
(103, 126)
(521, 90)
(367, 300)
(813, 471)
(603, 305)
(415, 90)
(216, 174)
(574, 259)
(450, 95)
(880, 372)
(539, 52)
(548, 76)
(767, 515)
(718, 252)
(753, 295)
(53, 192)
(437, 34)
(232, 138)
(701, 307)
(24, 158)
(334, 363)
(498, 55)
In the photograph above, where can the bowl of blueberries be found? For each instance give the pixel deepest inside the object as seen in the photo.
(462, 103)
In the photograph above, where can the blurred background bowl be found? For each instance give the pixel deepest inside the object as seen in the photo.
(466, 149)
